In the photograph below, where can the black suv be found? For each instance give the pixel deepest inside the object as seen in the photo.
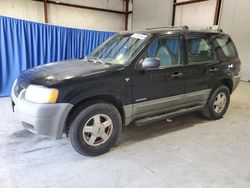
(137, 77)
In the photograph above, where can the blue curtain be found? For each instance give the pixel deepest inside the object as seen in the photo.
(25, 44)
(173, 46)
(193, 45)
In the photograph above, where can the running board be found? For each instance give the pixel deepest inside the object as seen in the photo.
(148, 120)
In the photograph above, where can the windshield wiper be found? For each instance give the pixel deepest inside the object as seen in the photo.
(96, 60)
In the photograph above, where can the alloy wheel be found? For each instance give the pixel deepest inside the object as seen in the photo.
(97, 130)
(220, 102)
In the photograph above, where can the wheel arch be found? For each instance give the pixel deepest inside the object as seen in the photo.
(81, 104)
(225, 81)
(229, 83)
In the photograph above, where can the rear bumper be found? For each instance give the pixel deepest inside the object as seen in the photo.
(236, 81)
(44, 119)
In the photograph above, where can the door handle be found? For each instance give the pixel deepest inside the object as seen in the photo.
(176, 75)
(213, 69)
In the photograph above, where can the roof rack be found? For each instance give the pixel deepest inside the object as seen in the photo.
(214, 28)
(169, 27)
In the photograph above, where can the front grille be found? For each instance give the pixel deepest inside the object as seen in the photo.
(17, 89)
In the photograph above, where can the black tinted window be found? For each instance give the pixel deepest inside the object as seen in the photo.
(166, 49)
(199, 49)
(225, 47)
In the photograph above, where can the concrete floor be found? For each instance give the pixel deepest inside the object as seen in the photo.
(188, 152)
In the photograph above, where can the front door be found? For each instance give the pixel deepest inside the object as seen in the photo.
(162, 89)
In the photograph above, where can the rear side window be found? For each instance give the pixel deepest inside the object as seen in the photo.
(225, 47)
(199, 49)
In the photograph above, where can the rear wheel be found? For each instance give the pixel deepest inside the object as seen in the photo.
(95, 129)
(218, 103)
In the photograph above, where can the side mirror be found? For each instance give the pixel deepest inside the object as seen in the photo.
(149, 63)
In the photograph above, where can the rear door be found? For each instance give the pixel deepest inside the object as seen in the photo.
(203, 68)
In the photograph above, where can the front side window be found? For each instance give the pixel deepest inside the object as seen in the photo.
(167, 50)
(119, 49)
(199, 49)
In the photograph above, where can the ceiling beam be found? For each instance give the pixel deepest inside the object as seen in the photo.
(217, 12)
(85, 7)
(188, 2)
(173, 13)
(45, 8)
(126, 13)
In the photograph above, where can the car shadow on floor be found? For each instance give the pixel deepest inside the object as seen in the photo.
(22, 134)
(130, 134)
(133, 133)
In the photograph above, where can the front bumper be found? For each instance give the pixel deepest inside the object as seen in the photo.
(236, 81)
(44, 119)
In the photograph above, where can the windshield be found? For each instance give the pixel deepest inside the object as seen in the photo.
(119, 49)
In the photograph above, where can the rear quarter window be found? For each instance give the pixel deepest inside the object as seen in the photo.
(225, 47)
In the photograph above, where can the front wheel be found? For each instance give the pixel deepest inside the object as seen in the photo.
(217, 104)
(95, 129)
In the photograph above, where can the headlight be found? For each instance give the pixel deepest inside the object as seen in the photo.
(40, 94)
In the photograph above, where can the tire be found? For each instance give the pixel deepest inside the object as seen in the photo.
(215, 108)
(90, 136)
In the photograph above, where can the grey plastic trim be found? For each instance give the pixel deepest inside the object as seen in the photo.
(148, 120)
(13, 96)
(128, 110)
(201, 95)
(156, 105)
(236, 81)
(151, 107)
(44, 119)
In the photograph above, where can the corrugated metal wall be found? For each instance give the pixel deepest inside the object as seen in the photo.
(235, 20)
(149, 13)
(199, 14)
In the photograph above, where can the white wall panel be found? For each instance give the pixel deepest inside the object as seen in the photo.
(151, 13)
(178, 1)
(108, 4)
(23, 9)
(196, 15)
(235, 20)
(68, 16)
(84, 18)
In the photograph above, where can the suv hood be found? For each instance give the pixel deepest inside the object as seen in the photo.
(54, 73)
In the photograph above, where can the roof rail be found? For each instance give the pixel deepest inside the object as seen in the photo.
(169, 27)
(214, 28)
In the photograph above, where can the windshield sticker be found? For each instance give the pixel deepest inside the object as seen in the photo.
(139, 36)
